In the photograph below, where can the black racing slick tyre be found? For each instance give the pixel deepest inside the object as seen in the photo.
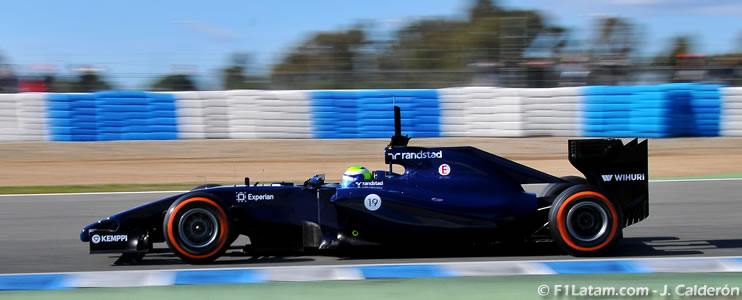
(554, 189)
(197, 228)
(584, 222)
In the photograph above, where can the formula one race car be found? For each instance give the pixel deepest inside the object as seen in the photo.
(444, 196)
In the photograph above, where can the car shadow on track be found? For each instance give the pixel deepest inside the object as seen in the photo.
(625, 248)
(670, 246)
(233, 256)
(503, 250)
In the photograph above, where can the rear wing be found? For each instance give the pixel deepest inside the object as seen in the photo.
(621, 170)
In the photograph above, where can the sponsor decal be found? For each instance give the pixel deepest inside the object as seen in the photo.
(624, 177)
(109, 238)
(245, 197)
(416, 155)
(372, 202)
(444, 169)
(369, 184)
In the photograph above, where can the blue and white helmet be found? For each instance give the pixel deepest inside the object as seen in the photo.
(353, 174)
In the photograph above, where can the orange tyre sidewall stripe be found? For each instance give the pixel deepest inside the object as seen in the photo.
(563, 225)
(222, 227)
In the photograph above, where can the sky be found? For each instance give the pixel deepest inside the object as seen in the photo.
(135, 40)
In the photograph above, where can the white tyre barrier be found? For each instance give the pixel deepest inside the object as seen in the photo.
(530, 106)
(279, 116)
(571, 115)
(448, 106)
(247, 134)
(481, 111)
(280, 135)
(31, 116)
(8, 118)
(265, 114)
(452, 115)
(191, 113)
(464, 111)
(216, 116)
(730, 91)
(458, 120)
(191, 135)
(217, 123)
(732, 105)
(497, 118)
(494, 110)
(731, 116)
(506, 92)
(552, 111)
(299, 96)
(550, 121)
(244, 121)
(300, 124)
(191, 120)
(192, 128)
(459, 129)
(290, 129)
(232, 94)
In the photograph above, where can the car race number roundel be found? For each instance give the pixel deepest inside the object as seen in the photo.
(372, 202)
(444, 169)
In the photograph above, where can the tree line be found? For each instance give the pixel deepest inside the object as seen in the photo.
(488, 44)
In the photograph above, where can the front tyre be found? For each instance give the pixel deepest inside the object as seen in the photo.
(584, 222)
(197, 228)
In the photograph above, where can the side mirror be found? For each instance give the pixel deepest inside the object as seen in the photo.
(316, 181)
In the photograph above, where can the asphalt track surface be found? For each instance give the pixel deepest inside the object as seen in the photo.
(40, 233)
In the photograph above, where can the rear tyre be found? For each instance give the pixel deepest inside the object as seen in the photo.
(197, 228)
(584, 222)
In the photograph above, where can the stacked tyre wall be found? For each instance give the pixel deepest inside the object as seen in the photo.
(482, 111)
(552, 111)
(111, 116)
(731, 119)
(370, 113)
(23, 117)
(651, 111)
(668, 110)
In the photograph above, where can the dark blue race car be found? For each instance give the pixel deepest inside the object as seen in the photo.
(447, 195)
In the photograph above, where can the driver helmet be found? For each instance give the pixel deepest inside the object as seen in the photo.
(353, 174)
